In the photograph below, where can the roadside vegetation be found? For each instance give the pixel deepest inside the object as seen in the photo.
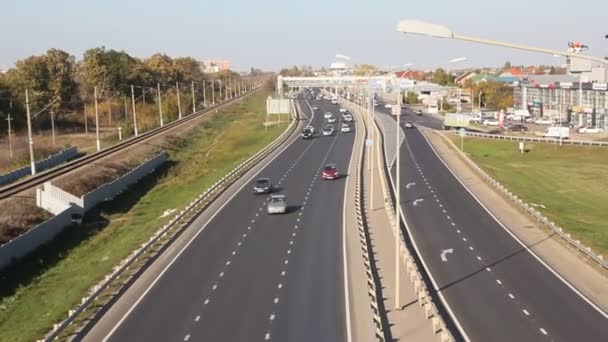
(39, 290)
(566, 184)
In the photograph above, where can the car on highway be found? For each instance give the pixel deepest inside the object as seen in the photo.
(347, 118)
(330, 171)
(315, 108)
(262, 186)
(516, 128)
(419, 112)
(409, 124)
(328, 130)
(331, 119)
(277, 205)
(334, 101)
(388, 106)
(327, 115)
(306, 133)
(311, 128)
(342, 110)
(345, 128)
(590, 130)
(490, 122)
(543, 121)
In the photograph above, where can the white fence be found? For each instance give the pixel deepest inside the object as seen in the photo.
(64, 205)
(540, 140)
(41, 165)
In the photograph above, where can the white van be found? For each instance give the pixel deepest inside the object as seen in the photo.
(557, 132)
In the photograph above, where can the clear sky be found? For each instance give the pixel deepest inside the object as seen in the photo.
(271, 34)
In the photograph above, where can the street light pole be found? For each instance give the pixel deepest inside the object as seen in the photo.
(213, 92)
(29, 132)
(193, 98)
(398, 200)
(204, 95)
(86, 125)
(135, 131)
(179, 103)
(96, 121)
(52, 126)
(10, 138)
(160, 105)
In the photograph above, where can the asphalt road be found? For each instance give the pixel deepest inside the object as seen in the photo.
(250, 276)
(496, 289)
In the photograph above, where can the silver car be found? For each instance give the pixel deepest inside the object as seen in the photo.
(277, 205)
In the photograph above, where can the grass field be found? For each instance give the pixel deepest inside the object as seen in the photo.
(39, 290)
(568, 184)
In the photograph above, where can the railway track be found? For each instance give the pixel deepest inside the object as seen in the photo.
(33, 181)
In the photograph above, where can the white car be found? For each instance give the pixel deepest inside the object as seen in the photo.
(311, 128)
(347, 118)
(315, 108)
(388, 105)
(590, 130)
(328, 130)
(543, 121)
(277, 205)
(342, 110)
(331, 120)
(409, 124)
(327, 115)
(491, 122)
(345, 128)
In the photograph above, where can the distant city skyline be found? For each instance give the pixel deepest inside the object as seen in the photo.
(269, 34)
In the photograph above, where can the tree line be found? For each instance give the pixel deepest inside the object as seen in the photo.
(59, 83)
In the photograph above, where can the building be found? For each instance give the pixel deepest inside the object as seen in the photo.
(564, 98)
(215, 65)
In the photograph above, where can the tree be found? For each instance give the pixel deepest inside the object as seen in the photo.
(187, 69)
(442, 78)
(365, 70)
(61, 84)
(507, 65)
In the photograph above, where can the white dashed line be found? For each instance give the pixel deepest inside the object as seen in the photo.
(283, 274)
(526, 312)
(471, 248)
(488, 269)
(543, 331)
(187, 338)
(286, 261)
(478, 258)
(227, 262)
(464, 239)
(499, 282)
(267, 337)
(276, 300)
(214, 287)
(280, 286)
(453, 224)
(197, 318)
(206, 301)
(272, 317)
(458, 231)
(221, 274)
(511, 296)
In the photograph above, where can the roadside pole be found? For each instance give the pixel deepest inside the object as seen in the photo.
(179, 103)
(29, 132)
(135, 131)
(193, 98)
(397, 201)
(97, 122)
(10, 138)
(462, 133)
(204, 95)
(160, 105)
(52, 126)
(213, 92)
(86, 125)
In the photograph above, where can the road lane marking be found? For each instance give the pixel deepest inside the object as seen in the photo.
(272, 317)
(206, 301)
(197, 318)
(499, 282)
(543, 331)
(187, 337)
(267, 336)
(488, 269)
(526, 312)
(478, 258)
(276, 300)
(280, 286)
(511, 296)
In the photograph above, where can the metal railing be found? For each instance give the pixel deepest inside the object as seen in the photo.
(536, 139)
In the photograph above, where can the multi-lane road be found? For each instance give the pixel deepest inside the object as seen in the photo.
(250, 276)
(495, 288)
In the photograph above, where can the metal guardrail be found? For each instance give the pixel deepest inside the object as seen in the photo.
(373, 282)
(40, 178)
(537, 215)
(538, 140)
(155, 245)
(41, 165)
(422, 293)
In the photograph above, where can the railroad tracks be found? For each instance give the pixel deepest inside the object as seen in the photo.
(33, 181)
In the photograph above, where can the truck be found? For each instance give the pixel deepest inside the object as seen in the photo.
(557, 132)
(453, 120)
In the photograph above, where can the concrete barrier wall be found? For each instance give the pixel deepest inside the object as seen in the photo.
(35, 237)
(41, 165)
(64, 205)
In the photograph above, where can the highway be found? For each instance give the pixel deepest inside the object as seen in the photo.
(249, 276)
(496, 289)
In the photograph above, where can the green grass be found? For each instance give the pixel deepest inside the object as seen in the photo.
(39, 290)
(570, 181)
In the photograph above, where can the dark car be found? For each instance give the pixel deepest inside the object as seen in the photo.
(306, 133)
(330, 172)
(516, 128)
(262, 186)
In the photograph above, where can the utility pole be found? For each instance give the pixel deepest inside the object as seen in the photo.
(53, 126)
(134, 111)
(193, 98)
(86, 125)
(10, 138)
(126, 108)
(179, 103)
(213, 92)
(110, 113)
(397, 202)
(220, 84)
(97, 122)
(160, 105)
(29, 132)
(204, 95)
(143, 94)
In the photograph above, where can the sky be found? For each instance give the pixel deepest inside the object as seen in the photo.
(271, 34)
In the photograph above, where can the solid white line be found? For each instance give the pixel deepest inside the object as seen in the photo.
(529, 250)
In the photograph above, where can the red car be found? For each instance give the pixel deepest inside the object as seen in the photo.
(330, 172)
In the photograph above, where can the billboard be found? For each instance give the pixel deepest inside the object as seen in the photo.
(578, 65)
(278, 106)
